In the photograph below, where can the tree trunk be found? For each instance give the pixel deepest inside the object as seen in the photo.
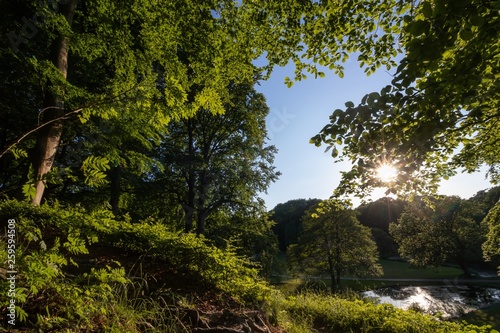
(202, 212)
(114, 199)
(333, 275)
(337, 282)
(200, 226)
(191, 194)
(188, 217)
(49, 136)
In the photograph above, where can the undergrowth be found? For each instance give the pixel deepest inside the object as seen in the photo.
(314, 311)
(56, 292)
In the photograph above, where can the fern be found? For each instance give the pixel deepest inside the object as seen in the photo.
(94, 168)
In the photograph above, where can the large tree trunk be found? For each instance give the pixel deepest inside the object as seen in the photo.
(49, 136)
(191, 194)
(202, 211)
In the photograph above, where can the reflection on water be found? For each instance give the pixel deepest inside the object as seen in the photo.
(449, 301)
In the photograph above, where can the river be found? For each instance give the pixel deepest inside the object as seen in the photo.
(446, 301)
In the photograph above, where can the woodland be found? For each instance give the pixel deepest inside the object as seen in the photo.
(134, 149)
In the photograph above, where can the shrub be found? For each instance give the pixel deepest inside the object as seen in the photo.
(215, 268)
(47, 239)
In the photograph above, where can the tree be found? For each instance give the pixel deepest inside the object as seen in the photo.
(288, 217)
(486, 200)
(446, 233)
(212, 161)
(164, 60)
(124, 61)
(335, 242)
(249, 231)
(491, 247)
(441, 111)
(380, 213)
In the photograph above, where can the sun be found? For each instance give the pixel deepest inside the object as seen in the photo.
(387, 173)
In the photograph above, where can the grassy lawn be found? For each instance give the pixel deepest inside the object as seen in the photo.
(402, 270)
(392, 270)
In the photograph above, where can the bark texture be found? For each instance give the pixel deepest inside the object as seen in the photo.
(49, 136)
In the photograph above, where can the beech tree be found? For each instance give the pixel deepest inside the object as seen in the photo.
(114, 60)
(446, 233)
(118, 55)
(212, 161)
(439, 115)
(334, 242)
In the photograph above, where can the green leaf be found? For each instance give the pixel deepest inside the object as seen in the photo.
(466, 35)
(335, 152)
(419, 27)
(349, 104)
(29, 191)
(427, 9)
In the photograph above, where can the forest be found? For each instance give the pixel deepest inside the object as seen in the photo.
(134, 153)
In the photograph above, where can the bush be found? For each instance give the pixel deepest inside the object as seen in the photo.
(47, 240)
(215, 268)
(52, 292)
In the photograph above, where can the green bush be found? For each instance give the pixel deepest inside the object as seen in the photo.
(53, 292)
(215, 268)
(47, 240)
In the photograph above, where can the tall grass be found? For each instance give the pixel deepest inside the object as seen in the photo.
(314, 311)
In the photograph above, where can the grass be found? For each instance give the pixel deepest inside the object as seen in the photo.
(320, 312)
(409, 276)
(402, 270)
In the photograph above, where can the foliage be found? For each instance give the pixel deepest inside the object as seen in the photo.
(138, 66)
(315, 311)
(249, 233)
(444, 233)
(380, 213)
(324, 33)
(209, 265)
(217, 162)
(335, 242)
(288, 217)
(491, 247)
(54, 292)
(440, 112)
(49, 240)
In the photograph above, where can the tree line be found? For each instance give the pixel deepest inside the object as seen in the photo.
(329, 236)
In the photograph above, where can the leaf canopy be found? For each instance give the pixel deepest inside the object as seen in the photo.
(440, 112)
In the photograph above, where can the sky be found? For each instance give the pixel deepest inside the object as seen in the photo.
(300, 112)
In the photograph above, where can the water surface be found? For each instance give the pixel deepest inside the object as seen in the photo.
(447, 301)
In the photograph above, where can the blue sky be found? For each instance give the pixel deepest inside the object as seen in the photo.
(300, 112)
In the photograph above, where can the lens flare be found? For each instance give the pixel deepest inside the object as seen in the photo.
(387, 173)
